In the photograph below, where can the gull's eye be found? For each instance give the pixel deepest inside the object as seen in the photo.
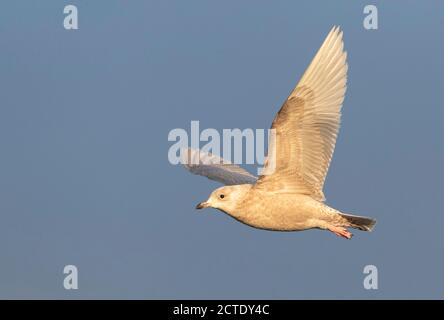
(221, 196)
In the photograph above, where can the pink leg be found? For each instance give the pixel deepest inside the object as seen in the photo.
(340, 232)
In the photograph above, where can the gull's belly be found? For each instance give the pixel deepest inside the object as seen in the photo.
(284, 212)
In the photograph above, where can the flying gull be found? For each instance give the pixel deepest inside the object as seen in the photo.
(288, 195)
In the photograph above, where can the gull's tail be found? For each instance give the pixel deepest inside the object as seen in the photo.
(358, 222)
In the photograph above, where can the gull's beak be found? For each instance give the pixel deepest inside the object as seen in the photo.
(202, 205)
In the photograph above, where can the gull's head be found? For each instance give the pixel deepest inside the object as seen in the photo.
(225, 198)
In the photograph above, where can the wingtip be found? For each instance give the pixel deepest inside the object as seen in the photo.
(336, 29)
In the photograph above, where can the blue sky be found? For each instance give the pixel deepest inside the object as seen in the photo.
(84, 173)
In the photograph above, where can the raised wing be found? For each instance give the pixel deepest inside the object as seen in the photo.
(307, 125)
(215, 168)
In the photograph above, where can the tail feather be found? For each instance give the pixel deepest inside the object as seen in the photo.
(358, 222)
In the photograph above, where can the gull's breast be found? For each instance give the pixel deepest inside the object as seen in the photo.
(280, 211)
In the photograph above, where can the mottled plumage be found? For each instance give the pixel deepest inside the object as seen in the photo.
(288, 195)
